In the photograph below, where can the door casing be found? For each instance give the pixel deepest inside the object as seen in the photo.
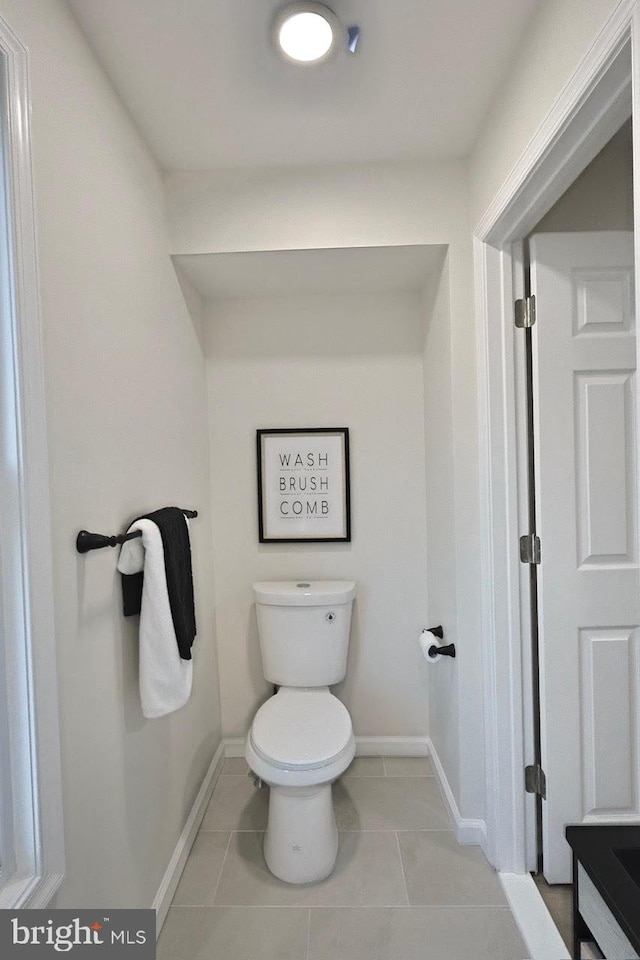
(592, 107)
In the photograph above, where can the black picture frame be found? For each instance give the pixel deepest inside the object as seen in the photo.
(304, 489)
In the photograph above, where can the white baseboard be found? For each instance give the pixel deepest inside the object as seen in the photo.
(365, 746)
(537, 929)
(167, 888)
(468, 831)
(392, 746)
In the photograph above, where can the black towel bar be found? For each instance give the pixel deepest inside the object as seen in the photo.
(86, 541)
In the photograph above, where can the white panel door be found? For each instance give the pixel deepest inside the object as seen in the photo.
(584, 354)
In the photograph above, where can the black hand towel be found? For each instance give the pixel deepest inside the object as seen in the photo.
(177, 561)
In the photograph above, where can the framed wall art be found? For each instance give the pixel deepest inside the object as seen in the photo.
(303, 485)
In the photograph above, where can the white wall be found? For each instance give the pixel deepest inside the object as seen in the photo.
(368, 205)
(125, 382)
(313, 361)
(339, 205)
(193, 302)
(444, 707)
(601, 198)
(557, 38)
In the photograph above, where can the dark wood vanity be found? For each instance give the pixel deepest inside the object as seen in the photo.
(606, 889)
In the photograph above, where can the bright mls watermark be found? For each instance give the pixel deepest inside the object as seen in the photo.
(80, 934)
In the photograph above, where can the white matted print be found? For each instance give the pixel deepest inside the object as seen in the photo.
(303, 485)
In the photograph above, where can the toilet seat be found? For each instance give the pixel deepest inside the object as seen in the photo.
(302, 729)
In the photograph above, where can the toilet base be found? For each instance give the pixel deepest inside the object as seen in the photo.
(301, 842)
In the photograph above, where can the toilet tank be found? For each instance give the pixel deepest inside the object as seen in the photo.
(304, 630)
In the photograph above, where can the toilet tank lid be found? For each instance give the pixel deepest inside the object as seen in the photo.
(304, 593)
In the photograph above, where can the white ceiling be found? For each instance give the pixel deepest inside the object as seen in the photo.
(279, 273)
(207, 90)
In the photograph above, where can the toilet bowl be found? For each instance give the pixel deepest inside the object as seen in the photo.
(301, 740)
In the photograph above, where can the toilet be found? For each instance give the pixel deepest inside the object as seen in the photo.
(301, 739)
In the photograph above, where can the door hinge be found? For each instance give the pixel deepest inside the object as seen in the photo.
(525, 312)
(535, 780)
(529, 548)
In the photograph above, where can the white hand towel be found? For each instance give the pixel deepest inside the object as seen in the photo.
(165, 678)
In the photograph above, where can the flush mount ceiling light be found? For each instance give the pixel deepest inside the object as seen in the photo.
(306, 32)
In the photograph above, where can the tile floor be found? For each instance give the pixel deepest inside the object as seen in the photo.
(402, 888)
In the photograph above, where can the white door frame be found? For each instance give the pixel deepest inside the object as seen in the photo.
(32, 762)
(589, 111)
